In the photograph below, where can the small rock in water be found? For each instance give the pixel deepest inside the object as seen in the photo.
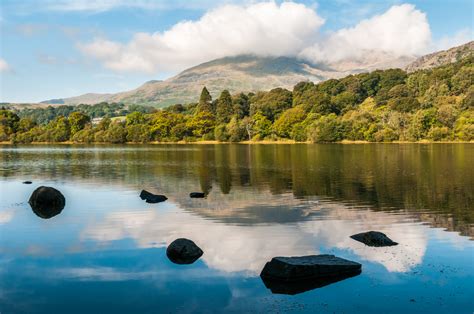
(27, 182)
(183, 251)
(197, 195)
(308, 267)
(373, 238)
(47, 202)
(152, 198)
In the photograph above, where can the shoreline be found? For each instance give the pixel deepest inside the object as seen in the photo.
(264, 142)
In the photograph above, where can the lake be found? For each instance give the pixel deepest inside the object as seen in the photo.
(106, 251)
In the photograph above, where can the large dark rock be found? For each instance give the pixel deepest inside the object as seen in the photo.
(197, 195)
(373, 238)
(152, 198)
(300, 268)
(183, 251)
(47, 202)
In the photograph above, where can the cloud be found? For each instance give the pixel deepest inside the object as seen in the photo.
(4, 66)
(268, 29)
(261, 28)
(401, 31)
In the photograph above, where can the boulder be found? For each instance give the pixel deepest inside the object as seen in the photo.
(27, 182)
(197, 195)
(47, 202)
(152, 198)
(183, 251)
(300, 268)
(373, 238)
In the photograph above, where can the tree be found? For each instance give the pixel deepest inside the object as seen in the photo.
(271, 104)
(135, 118)
(224, 108)
(205, 101)
(241, 106)
(115, 134)
(326, 129)
(77, 121)
(261, 126)
(285, 123)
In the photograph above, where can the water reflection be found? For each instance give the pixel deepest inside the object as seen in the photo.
(263, 201)
(292, 288)
(431, 182)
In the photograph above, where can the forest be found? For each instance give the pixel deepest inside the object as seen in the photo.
(381, 106)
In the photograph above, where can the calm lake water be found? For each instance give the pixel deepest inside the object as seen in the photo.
(106, 250)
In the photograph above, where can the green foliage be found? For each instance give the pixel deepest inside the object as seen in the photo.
(384, 106)
(325, 129)
(224, 109)
(271, 104)
(205, 102)
(77, 121)
(283, 127)
(135, 118)
(115, 134)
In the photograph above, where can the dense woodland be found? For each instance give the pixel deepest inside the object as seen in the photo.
(381, 106)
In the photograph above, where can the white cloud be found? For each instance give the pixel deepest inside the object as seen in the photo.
(268, 29)
(4, 66)
(262, 28)
(401, 31)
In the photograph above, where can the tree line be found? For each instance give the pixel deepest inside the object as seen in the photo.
(381, 106)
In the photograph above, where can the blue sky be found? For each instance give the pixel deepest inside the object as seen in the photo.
(62, 48)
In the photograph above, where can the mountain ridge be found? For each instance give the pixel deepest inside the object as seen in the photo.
(249, 73)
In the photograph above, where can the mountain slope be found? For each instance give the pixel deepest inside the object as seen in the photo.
(244, 73)
(441, 57)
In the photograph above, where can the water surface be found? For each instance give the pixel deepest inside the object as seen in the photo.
(106, 250)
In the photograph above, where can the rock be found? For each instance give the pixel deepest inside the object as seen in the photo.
(300, 268)
(373, 238)
(183, 251)
(197, 195)
(27, 182)
(152, 198)
(299, 286)
(47, 202)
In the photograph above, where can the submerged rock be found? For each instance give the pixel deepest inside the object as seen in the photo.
(152, 198)
(183, 251)
(373, 238)
(197, 195)
(300, 268)
(47, 202)
(27, 182)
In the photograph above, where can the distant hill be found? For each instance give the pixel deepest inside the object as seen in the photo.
(244, 73)
(441, 57)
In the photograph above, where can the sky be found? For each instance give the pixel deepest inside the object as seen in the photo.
(63, 48)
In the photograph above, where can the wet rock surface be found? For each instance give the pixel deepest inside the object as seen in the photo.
(47, 202)
(183, 251)
(152, 198)
(300, 268)
(197, 195)
(374, 238)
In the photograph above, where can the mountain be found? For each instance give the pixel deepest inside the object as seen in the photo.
(441, 57)
(244, 73)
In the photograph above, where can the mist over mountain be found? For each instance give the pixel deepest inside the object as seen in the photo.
(248, 73)
(244, 73)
